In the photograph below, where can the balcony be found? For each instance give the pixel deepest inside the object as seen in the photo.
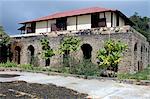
(92, 31)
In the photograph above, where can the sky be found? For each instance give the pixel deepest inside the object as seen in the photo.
(14, 11)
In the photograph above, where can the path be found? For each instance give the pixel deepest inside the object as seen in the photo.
(95, 88)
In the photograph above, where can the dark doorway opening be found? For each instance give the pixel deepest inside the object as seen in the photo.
(140, 65)
(61, 24)
(31, 54)
(94, 20)
(47, 62)
(86, 49)
(102, 22)
(31, 27)
(17, 54)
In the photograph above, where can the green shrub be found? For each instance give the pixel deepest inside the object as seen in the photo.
(86, 67)
(8, 64)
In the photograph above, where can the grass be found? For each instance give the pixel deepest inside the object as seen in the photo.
(85, 68)
(8, 64)
(141, 75)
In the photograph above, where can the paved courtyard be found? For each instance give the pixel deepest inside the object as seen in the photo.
(104, 89)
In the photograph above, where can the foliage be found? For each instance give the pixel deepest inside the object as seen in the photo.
(142, 24)
(111, 54)
(4, 38)
(47, 52)
(69, 44)
(8, 64)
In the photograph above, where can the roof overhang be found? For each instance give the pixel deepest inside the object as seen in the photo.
(78, 13)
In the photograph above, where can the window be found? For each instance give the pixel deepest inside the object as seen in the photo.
(117, 20)
(102, 22)
(135, 47)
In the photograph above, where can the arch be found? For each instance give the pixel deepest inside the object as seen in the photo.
(31, 54)
(135, 47)
(87, 51)
(17, 54)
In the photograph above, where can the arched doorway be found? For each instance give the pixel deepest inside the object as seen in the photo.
(17, 54)
(87, 51)
(31, 54)
(47, 62)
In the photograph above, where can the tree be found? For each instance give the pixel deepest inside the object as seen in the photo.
(4, 45)
(4, 38)
(47, 52)
(111, 54)
(142, 24)
(68, 45)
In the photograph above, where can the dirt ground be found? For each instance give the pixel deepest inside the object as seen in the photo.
(24, 90)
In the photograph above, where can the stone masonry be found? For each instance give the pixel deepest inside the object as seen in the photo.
(135, 58)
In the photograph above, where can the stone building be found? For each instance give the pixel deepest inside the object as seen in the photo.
(93, 25)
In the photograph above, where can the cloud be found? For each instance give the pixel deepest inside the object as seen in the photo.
(12, 12)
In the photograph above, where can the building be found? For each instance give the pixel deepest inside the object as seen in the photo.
(76, 20)
(92, 25)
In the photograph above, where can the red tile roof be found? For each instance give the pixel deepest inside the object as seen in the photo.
(71, 13)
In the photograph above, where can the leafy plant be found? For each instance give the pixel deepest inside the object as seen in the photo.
(111, 54)
(4, 44)
(47, 52)
(141, 24)
(4, 38)
(69, 44)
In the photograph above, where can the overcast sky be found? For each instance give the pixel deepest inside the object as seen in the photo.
(14, 11)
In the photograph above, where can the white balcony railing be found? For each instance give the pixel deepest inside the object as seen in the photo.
(101, 30)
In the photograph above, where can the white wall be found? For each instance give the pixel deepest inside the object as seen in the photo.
(108, 19)
(50, 22)
(41, 27)
(84, 22)
(114, 19)
(101, 15)
(121, 22)
(71, 23)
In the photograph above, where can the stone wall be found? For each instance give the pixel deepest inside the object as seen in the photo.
(135, 58)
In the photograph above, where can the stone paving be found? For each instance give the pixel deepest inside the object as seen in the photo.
(104, 89)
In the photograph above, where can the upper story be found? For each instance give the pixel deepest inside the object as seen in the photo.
(76, 20)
